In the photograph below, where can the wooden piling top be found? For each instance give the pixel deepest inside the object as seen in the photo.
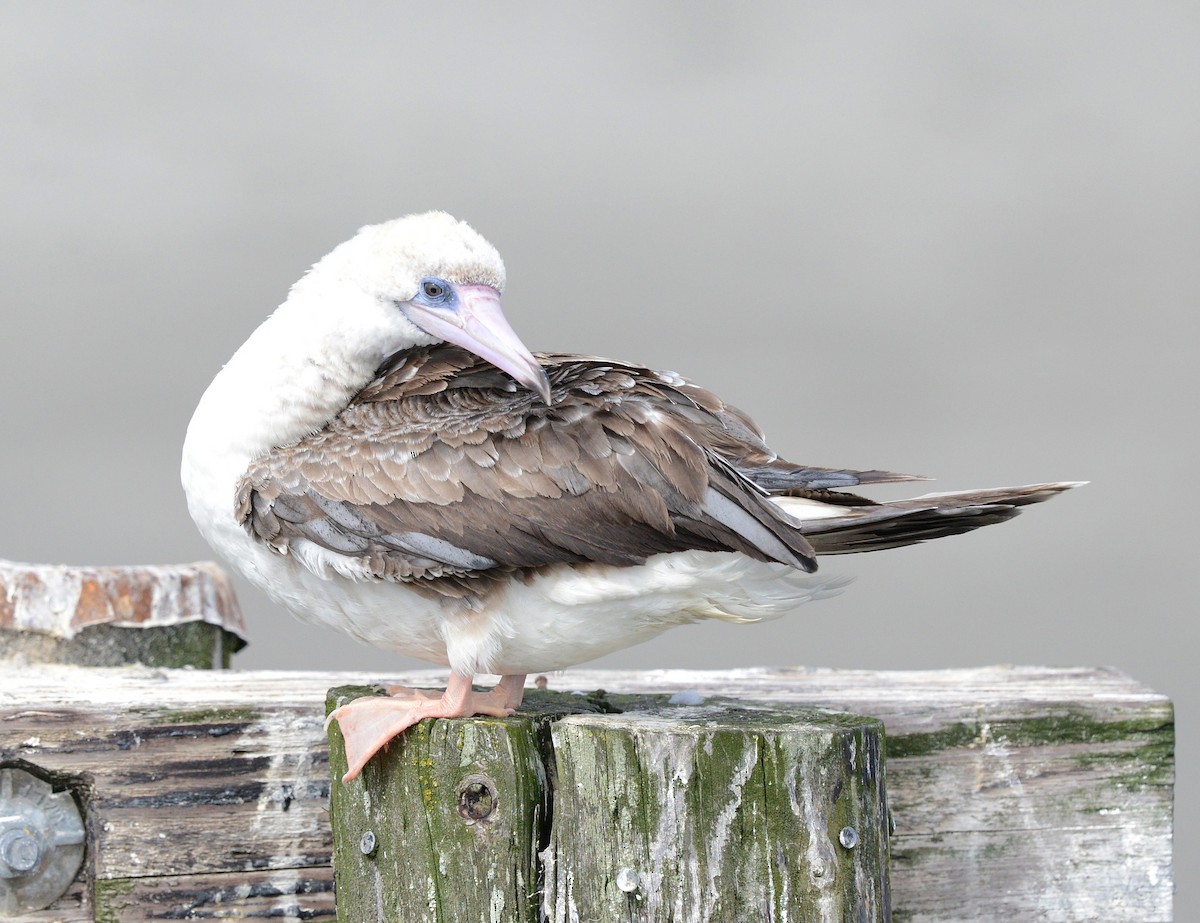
(161, 615)
(61, 599)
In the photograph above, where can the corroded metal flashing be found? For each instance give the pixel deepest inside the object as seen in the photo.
(62, 600)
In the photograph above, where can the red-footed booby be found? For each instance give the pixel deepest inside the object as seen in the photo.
(385, 456)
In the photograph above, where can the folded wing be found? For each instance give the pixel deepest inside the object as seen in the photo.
(443, 467)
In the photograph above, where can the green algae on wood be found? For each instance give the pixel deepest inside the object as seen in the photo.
(441, 826)
(113, 898)
(656, 813)
(990, 824)
(196, 644)
(182, 615)
(705, 813)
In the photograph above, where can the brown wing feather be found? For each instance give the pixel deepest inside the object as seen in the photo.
(879, 526)
(443, 467)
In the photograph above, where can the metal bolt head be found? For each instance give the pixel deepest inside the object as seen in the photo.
(366, 844)
(848, 837)
(627, 880)
(20, 850)
(42, 842)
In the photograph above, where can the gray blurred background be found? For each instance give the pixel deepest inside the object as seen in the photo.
(952, 239)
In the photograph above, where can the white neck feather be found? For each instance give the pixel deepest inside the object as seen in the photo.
(294, 374)
(323, 345)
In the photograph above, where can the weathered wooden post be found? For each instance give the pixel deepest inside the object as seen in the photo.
(722, 812)
(636, 809)
(450, 816)
(183, 615)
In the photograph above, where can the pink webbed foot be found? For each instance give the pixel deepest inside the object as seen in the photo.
(369, 724)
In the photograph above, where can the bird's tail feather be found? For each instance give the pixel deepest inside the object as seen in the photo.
(906, 522)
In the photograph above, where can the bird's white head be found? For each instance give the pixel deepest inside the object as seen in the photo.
(415, 281)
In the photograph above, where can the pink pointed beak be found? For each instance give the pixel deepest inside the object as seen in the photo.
(477, 324)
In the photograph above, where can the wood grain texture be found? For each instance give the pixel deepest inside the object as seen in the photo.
(302, 894)
(191, 788)
(716, 813)
(453, 811)
(658, 813)
(1017, 793)
(183, 615)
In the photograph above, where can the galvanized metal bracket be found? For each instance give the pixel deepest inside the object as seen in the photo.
(42, 842)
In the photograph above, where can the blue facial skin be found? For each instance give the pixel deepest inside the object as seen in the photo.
(437, 294)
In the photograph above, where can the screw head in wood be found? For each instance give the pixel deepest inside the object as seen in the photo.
(627, 880)
(848, 837)
(366, 843)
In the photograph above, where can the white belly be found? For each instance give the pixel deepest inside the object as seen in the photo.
(557, 619)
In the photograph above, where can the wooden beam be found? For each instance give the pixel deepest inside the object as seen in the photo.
(1018, 793)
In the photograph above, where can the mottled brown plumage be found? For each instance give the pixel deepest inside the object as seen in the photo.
(464, 475)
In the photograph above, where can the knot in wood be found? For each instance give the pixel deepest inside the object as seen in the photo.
(477, 799)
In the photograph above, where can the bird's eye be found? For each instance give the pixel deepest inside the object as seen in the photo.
(433, 289)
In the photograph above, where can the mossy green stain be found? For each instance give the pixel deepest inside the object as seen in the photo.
(110, 895)
(193, 644)
(214, 715)
(1070, 727)
(760, 839)
(1151, 762)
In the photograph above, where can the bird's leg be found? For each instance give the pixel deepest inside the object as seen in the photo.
(513, 689)
(369, 723)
